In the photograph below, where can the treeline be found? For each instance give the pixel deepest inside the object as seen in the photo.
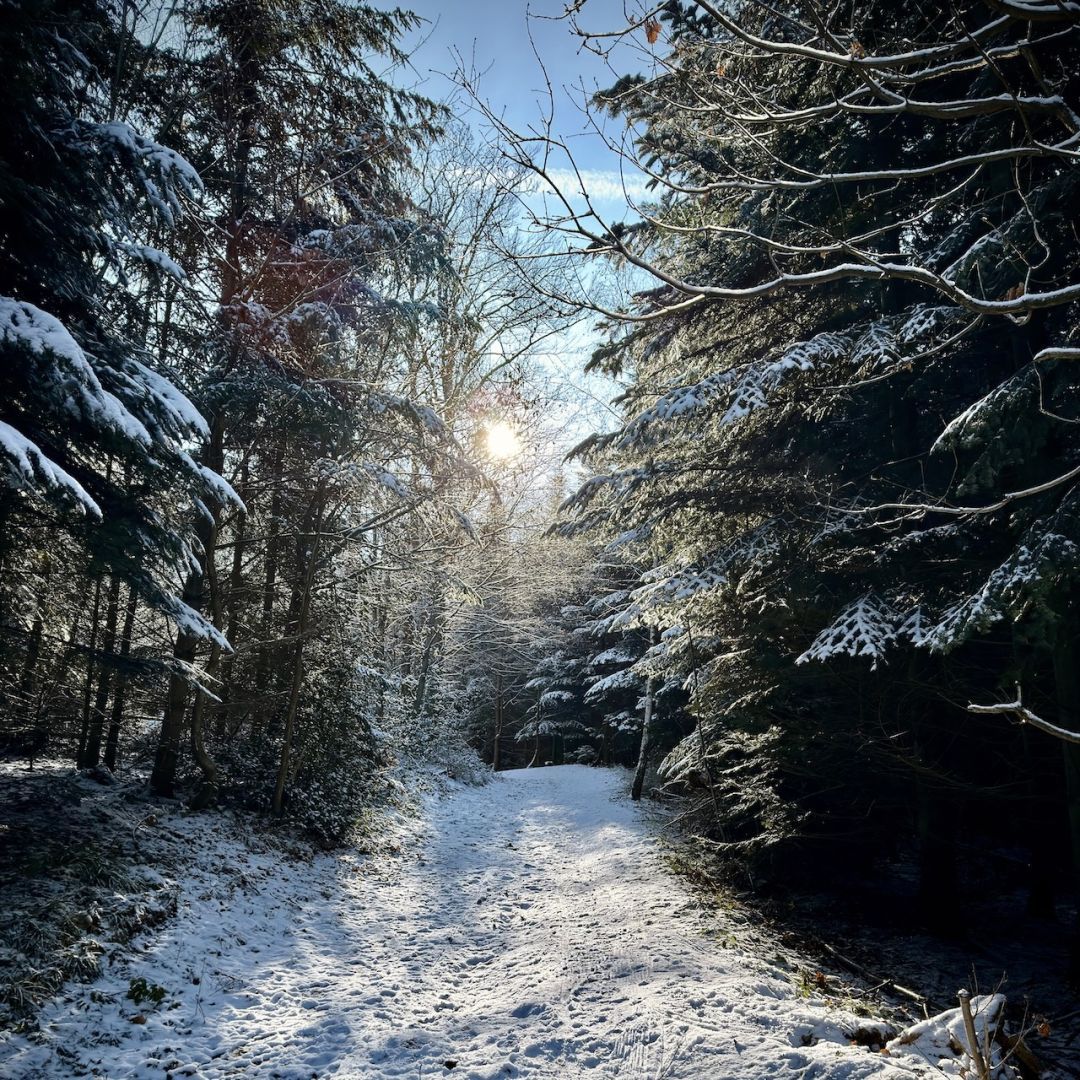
(845, 484)
(258, 304)
(255, 315)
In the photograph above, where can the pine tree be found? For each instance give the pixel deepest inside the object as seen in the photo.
(848, 435)
(302, 146)
(93, 435)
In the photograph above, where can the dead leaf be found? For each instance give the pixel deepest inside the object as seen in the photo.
(652, 31)
(857, 50)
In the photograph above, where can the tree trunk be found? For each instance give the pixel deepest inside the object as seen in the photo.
(1068, 713)
(269, 590)
(233, 597)
(166, 760)
(645, 750)
(92, 749)
(496, 746)
(37, 735)
(207, 793)
(88, 685)
(308, 582)
(242, 135)
(112, 742)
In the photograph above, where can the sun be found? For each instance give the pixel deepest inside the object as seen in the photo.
(502, 441)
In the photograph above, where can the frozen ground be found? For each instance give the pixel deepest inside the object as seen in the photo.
(530, 929)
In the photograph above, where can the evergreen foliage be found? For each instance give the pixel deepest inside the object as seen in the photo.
(847, 459)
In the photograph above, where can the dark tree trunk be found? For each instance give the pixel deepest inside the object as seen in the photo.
(1067, 686)
(92, 749)
(37, 735)
(307, 583)
(645, 749)
(496, 745)
(88, 685)
(233, 597)
(167, 758)
(242, 134)
(269, 592)
(112, 742)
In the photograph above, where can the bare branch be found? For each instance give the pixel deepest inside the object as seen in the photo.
(1024, 715)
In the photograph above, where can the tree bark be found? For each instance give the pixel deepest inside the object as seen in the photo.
(92, 749)
(233, 597)
(496, 746)
(269, 591)
(166, 760)
(645, 749)
(247, 68)
(112, 742)
(88, 685)
(207, 793)
(308, 581)
(1067, 689)
(37, 735)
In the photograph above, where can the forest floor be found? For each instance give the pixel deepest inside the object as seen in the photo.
(527, 928)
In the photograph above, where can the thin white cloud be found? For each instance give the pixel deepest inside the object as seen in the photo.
(605, 185)
(601, 185)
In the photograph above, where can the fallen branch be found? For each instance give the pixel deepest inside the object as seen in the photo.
(878, 981)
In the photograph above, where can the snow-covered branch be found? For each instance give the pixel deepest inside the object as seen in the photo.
(1024, 715)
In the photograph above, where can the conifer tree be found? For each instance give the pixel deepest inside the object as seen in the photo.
(849, 434)
(94, 436)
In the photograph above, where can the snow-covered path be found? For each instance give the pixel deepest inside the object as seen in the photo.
(537, 935)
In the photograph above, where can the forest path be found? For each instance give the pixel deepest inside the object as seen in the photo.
(538, 934)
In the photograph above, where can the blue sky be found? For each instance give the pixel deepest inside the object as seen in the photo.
(494, 37)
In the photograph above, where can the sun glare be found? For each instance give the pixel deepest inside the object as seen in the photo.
(502, 441)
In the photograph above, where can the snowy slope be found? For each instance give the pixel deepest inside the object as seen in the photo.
(537, 934)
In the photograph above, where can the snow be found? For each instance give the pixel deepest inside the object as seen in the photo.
(386, 479)
(153, 257)
(942, 1040)
(39, 332)
(611, 656)
(190, 622)
(865, 628)
(625, 679)
(172, 172)
(181, 413)
(27, 467)
(526, 928)
(71, 378)
(747, 388)
(224, 493)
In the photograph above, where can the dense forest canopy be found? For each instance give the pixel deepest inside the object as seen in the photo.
(281, 489)
(846, 474)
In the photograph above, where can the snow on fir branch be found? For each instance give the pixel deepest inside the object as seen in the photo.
(868, 627)
(741, 391)
(1034, 569)
(29, 470)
